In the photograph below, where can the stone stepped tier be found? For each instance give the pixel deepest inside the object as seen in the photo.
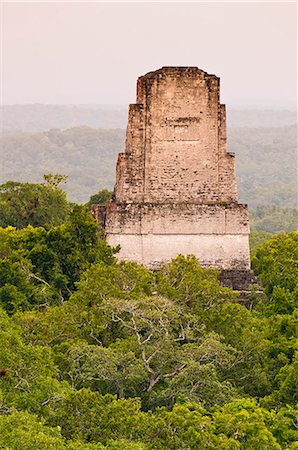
(175, 190)
(152, 234)
(238, 280)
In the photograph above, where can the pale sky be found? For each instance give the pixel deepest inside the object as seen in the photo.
(91, 52)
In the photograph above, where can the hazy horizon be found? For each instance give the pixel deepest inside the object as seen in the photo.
(92, 53)
(246, 107)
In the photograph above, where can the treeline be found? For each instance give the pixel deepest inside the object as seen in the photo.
(274, 218)
(33, 118)
(87, 156)
(23, 204)
(266, 161)
(99, 354)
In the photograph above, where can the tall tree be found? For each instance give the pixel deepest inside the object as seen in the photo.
(23, 204)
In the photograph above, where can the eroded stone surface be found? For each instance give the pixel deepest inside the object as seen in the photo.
(175, 188)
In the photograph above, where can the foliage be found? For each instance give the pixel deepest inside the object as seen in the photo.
(257, 238)
(21, 430)
(264, 142)
(272, 219)
(23, 204)
(98, 354)
(276, 264)
(186, 282)
(101, 198)
(41, 267)
(53, 180)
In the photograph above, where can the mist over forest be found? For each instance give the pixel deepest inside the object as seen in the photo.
(99, 351)
(105, 355)
(83, 142)
(43, 117)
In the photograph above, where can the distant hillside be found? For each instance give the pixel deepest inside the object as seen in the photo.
(274, 219)
(260, 118)
(266, 161)
(86, 155)
(36, 117)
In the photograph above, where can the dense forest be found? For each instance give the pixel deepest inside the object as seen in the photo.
(101, 354)
(266, 161)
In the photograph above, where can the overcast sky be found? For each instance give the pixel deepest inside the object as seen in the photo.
(93, 52)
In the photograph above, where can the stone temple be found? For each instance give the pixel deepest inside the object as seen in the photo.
(175, 190)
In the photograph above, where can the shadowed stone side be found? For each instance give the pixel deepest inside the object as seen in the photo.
(239, 280)
(175, 190)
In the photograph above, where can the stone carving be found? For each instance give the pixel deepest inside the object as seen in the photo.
(175, 190)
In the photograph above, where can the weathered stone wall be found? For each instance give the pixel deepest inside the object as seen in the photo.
(175, 187)
(185, 218)
(151, 250)
(176, 141)
(153, 233)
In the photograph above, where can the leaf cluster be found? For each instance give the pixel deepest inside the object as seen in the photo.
(141, 360)
(23, 204)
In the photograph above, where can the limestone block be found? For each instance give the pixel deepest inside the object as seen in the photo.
(152, 250)
(175, 188)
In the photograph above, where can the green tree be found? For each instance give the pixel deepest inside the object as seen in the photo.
(101, 198)
(53, 180)
(44, 265)
(92, 417)
(275, 263)
(115, 370)
(29, 376)
(186, 282)
(21, 430)
(23, 204)
(246, 422)
(208, 372)
(155, 350)
(257, 238)
(285, 427)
